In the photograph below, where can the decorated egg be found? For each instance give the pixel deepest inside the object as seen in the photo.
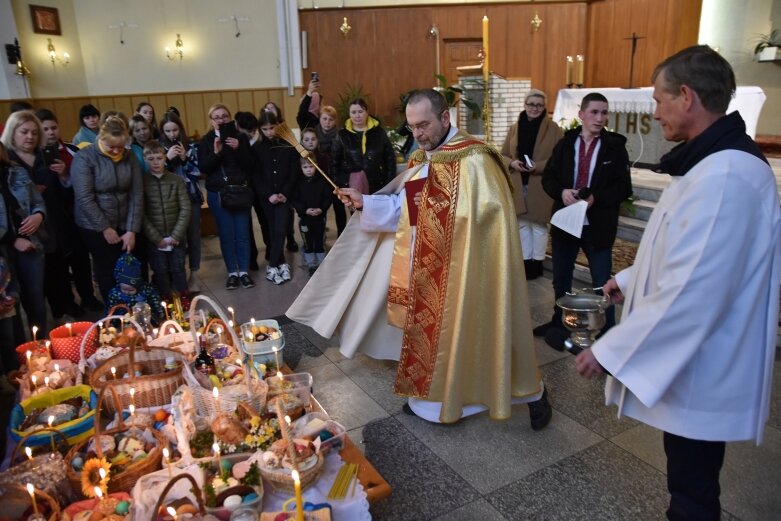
(225, 465)
(232, 502)
(240, 469)
(123, 508)
(249, 498)
(77, 463)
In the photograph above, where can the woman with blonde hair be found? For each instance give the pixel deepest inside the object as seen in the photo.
(526, 150)
(108, 191)
(225, 159)
(22, 212)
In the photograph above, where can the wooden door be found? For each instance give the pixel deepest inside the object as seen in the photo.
(458, 53)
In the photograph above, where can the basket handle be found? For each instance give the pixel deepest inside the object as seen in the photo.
(23, 439)
(116, 307)
(247, 409)
(165, 328)
(196, 492)
(217, 309)
(98, 409)
(82, 359)
(217, 322)
(55, 507)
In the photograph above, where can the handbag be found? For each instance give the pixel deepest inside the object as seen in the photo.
(236, 197)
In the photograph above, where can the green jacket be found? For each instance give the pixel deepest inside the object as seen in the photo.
(167, 207)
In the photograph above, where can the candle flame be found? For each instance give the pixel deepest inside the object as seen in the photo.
(51, 420)
(166, 454)
(34, 379)
(30, 489)
(230, 309)
(279, 375)
(216, 393)
(35, 329)
(102, 473)
(287, 420)
(296, 478)
(57, 367)
(114, 371)
(29, 354)
(48, 343)
(132, 392)
(132, 409)
(29, 452)
(216, 448)
(230, 324)
(171, 512)
(98, 492)
(46, 381)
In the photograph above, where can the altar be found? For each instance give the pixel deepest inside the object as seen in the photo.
(631, 114)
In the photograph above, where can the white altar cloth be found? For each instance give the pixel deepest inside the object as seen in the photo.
(748, 101)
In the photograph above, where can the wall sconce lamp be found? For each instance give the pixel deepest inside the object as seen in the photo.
(178, 49)
(14, 54)
(536, 22)
(345, 27)
(64, 60)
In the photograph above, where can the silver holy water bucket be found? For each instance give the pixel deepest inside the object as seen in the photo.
(583, 314)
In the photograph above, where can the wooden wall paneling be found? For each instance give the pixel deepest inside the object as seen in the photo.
(258, 100)
(67, 113)
(245, 102)
(197, 121)
(124, 104)
(175, 100)
(230, 98)
(159, 102)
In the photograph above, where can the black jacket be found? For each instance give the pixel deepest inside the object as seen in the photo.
(277, 169)
(379, 161)
(311, 192)
(235, 165)
(611, 183)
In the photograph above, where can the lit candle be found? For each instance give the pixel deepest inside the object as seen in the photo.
(233, 314)
(99, 494)
(46, 381)
(485, 49)
(132, 395)
(580, 60)
(102, 473)
(154, 331)
(299, 499)
(132, 412)
(51, 435)
(287, 420)
(48, 345)
(569, 70)
(230, 324)
(165, 308)
(216, 394)
(57, 367)
(203, 320)
(171, 512)
(35, 333)
(219, 335)
(167, 456)
(51, 420)
(276, 357)
(34, 380)
(29, 356)
(29, 452)
(279, 375)
(114, 372)
(31, 491)
(69, 326)
(216, 449)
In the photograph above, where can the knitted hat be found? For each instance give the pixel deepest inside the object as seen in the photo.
(538, 93)
(127, 270)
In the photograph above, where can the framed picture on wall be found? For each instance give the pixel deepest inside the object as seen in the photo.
(46, 20)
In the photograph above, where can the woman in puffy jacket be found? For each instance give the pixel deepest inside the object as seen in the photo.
(362, 156)
(109, 198)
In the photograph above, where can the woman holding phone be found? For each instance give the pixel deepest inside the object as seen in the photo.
(526, 150)
(225, 159)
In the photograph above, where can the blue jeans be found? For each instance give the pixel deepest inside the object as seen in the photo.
(28, 269)
(600, 263)
(168, 268)
(233, 230)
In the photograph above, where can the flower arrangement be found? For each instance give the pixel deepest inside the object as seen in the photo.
(91, 476)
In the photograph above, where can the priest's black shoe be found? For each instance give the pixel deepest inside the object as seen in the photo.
(543, 328)
(540, 412)
(555, 338)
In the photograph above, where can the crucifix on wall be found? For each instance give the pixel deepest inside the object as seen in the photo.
(634, 39)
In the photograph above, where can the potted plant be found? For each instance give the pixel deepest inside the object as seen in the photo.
(767, 47)
(453, 94)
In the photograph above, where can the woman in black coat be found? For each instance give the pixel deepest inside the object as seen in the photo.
(362, 156)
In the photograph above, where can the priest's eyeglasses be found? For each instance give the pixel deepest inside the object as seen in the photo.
(422, 126)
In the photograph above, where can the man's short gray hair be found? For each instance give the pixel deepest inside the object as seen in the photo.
(704, 71)
(438, 101)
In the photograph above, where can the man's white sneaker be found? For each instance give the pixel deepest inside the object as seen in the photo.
(271, 272)
(284, 271)
(278, 278)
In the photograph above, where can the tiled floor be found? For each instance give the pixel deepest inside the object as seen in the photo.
(586, 464)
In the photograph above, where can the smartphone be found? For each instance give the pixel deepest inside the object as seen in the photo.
(528, 161)
(228, 130)
(51, 153)
(315, 76)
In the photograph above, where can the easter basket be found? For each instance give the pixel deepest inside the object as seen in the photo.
(67, 343)
(154, 387)
(171, 335)
(45, 470)
(124, 481)
(195, 490)
(252, 390)
(16, 503)
(74, 430)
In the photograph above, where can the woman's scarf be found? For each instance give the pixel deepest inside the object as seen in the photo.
(114, 157)
(527, 136)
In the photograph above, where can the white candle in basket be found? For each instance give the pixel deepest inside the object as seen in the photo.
(29, 355)
(233, 315)
(216, 394)
(114, 372)
(35, 333)
(48, 345)
(167, 456)
(165, 308)
(31, 491)
(57, 368)
(29, 452)
(171, 512)
(51, 436)
(276, 357)
(34, 380)
(69, 327)
(132, 396)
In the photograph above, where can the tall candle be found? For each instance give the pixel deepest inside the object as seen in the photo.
(133, 395)
(167, 456)
(48, 345)
(114, 372)
(31, 491)
(276, 357)
(216, 394)
(29, 355)
(216, 449)
(233, 314)
(69, 326)
(35, 333)
(29, 452)
(34, 380)
(299, 498)
(580, 60)
(485, 49)
(132, 412)
(569, 70)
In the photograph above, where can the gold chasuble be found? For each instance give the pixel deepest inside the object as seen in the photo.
(462, 301)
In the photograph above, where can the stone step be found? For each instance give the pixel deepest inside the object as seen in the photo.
(643, 210)
(630, 229)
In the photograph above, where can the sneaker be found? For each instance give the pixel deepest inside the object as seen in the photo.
(232, 282)
(284, 271)
(278, 278)
(270, 272)
(540, 412)
(246, 281)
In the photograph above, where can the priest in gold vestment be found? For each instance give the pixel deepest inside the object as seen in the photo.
(449, 288)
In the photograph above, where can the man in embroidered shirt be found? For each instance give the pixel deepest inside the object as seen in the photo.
(590, 164)
(456, 300)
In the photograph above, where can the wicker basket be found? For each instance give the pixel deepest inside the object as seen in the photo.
(75, 430)
(15, 500)
(281, 480)
(46, 470)
(87, 362)
(171, 335)
(123, 482)
(82, 342)
(154, 388)
(196, 490)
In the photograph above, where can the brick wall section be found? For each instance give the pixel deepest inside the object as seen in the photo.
(506, 103)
